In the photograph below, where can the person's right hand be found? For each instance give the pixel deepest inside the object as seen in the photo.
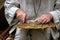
(21, 15)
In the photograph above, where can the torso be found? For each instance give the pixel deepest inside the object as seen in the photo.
(36, 7)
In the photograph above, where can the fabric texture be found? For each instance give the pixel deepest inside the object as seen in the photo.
(35, 8)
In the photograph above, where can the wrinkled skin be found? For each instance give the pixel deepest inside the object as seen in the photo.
(45, 18)
(21, 15)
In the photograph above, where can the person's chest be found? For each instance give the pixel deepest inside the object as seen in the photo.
(37, 7)
(36, 3)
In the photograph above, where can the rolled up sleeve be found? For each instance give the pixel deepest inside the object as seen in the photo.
(10, 8)
(56, 12)
(55, 16)
(12, 11)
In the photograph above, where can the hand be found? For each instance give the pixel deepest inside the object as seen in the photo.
(45, 18)
(21, 16)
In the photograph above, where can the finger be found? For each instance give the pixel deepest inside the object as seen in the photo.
(44, 20)
(23, 18)
(47, 21)
(41, 19)
(20, 18)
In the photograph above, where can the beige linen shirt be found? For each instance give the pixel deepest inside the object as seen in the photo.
(35, 8)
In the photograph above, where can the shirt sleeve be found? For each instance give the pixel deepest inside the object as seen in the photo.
(56, 13)
(55, 16)
(10, 8)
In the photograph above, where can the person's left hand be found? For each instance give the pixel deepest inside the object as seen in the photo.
(45, 18)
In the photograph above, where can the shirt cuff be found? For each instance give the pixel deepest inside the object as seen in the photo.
(12, 11)
(55, 16)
